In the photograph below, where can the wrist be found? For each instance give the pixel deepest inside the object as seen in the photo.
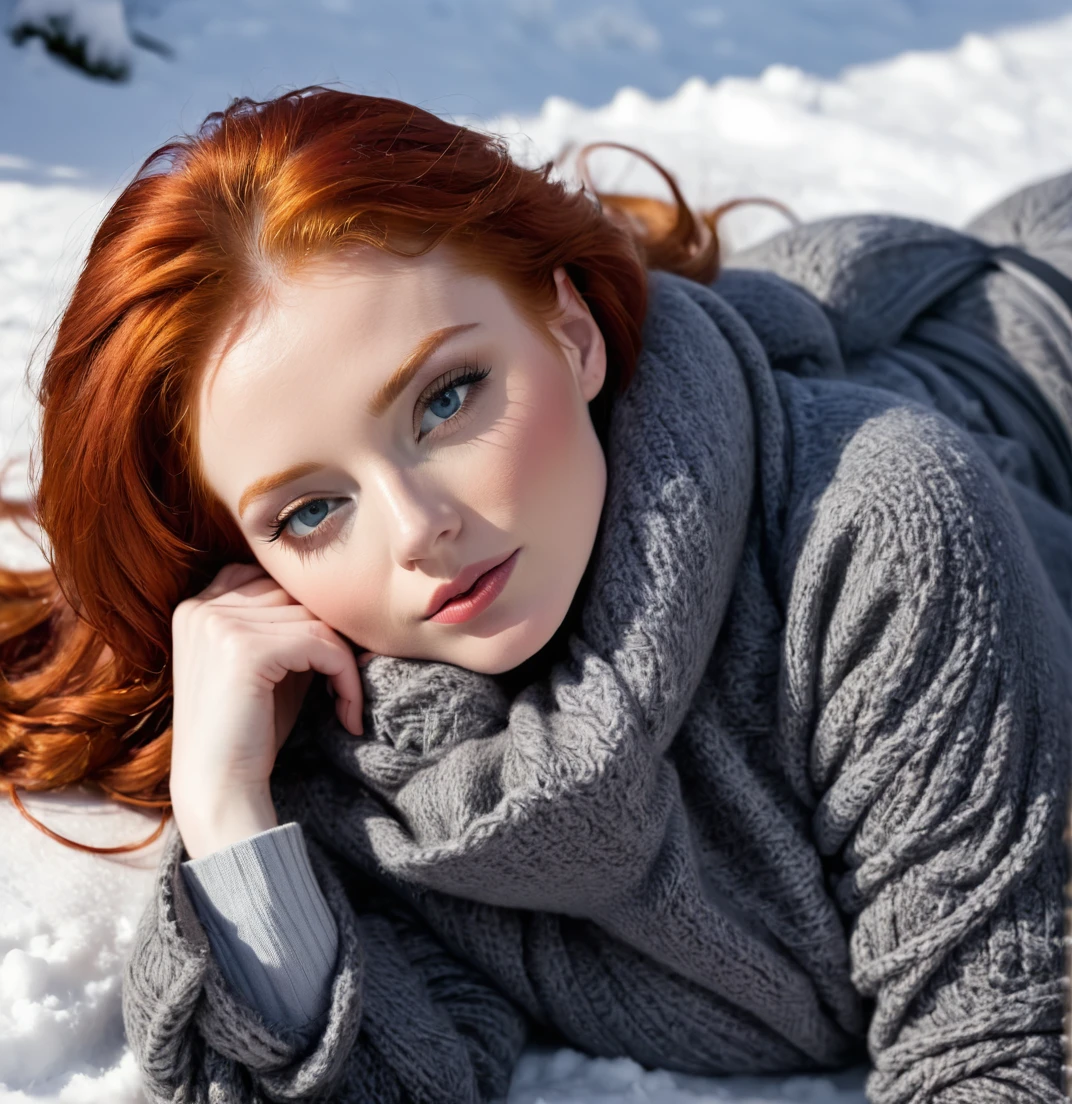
(210, 825)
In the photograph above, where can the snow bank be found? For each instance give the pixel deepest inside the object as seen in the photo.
(480, 57)
(939, 135)
(95, 29)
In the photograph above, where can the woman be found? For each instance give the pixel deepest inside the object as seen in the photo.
(714, 699)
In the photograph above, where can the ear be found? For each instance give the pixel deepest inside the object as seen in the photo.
(580, 337)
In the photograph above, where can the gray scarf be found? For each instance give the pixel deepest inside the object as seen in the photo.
(564, 800)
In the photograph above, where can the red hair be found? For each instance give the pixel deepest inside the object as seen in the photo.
(131, 529)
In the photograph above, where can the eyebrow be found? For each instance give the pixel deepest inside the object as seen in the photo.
(396, 383)
(400, 377)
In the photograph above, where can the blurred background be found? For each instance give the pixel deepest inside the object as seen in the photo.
(163, 64)
(928, 108)
(925, 107)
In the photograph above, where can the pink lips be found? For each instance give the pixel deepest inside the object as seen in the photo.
(479, 596)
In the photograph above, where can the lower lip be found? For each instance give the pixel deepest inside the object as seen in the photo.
(485, 590)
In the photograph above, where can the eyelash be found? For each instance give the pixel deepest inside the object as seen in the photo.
(466, 374)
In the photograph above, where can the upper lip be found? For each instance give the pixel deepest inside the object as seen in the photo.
(462, 582)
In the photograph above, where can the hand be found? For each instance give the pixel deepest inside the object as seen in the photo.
(243, 656)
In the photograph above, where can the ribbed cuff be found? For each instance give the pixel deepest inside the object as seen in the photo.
(267, 922)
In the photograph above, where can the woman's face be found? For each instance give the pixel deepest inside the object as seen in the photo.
(380, 425)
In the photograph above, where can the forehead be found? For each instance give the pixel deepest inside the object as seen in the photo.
(288, 378)
(369, 292)
(369, 303)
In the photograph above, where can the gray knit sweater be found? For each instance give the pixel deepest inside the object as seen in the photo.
(792, 793)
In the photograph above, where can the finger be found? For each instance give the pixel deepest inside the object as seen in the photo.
(232, 575)
(270, 614)
(261, 591)
(301, 646)
(258, 591)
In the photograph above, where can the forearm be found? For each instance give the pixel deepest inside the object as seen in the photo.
(209, 822)
(387, 1033)
(929, 691)
(192, 1032)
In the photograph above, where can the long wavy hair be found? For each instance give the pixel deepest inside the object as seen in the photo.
(130, 526)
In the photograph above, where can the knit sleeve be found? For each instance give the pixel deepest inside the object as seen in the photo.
(926, 705)
(404, 1020)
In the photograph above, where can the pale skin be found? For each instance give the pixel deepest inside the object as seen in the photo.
(388, 504)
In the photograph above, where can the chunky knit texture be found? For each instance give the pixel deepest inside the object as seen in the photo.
(796, 783)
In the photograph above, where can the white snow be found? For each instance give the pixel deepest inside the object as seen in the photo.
(930, 109)
(100, 25)
(66, 923)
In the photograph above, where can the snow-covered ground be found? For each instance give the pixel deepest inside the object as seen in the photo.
(932, 108)
(466, 57)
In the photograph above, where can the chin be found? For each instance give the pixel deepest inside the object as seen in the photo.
(503, 651)
(493, 658)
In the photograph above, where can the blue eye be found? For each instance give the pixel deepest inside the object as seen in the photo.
(446, 405)
(310, 515)
(450, 396)
(448, 400)
(306, 518)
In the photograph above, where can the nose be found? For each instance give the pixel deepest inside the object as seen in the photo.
(418, 514)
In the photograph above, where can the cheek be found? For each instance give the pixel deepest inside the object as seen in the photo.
(521, 461)
(544, 446)
(329, 587)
